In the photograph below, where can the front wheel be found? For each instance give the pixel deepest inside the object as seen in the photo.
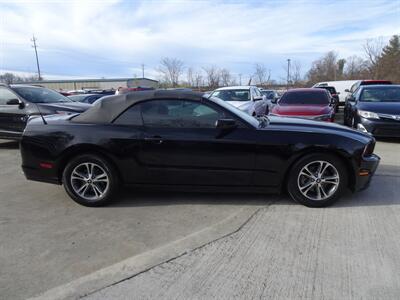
(90, 180)
(317, 180)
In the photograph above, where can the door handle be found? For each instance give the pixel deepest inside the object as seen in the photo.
(154, 139)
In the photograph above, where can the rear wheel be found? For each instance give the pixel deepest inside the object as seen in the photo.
(317, 180)
(90, 180)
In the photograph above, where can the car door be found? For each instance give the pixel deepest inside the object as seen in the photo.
(12, 116)
(182, 146)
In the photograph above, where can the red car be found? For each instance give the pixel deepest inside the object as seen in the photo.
(307, 103)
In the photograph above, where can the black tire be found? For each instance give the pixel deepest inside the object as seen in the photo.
(294, 180)
(110, 182)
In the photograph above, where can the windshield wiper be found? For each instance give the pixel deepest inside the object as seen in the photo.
(263, 121)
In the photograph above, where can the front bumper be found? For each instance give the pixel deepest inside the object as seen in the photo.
(381, 128)
(367, 167)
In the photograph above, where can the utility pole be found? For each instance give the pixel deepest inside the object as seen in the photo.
(142, 70)
(288, 72)
(240, 79)
(37, 58)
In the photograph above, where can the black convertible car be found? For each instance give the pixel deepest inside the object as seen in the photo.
(181, 139)
(18, 102)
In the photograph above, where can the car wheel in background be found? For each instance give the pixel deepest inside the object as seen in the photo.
(317, 180)
(90, 180)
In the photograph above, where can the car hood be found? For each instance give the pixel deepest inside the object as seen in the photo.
(307, 125)
(63, 106)
(391, 108)
(301, 110)
(242, 105)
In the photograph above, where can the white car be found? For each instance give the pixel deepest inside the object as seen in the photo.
(340, 86)
(246, 98)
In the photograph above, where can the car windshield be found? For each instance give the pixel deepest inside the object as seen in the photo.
(380, 94)
(241, 114)
(319, 98)
(233, 95)
(40, 95)
(330, 89)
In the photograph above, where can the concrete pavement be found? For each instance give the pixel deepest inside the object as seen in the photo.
(286, 251)
(47, 240)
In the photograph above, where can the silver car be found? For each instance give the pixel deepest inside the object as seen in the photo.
(246, 98)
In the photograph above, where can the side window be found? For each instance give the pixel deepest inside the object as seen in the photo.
(6, 95)
(257, 92)
(132, 116)
(179, 114)
(354, 87)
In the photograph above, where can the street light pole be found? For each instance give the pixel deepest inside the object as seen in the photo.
(37, 57)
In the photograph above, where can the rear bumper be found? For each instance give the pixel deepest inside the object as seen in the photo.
(368, 166)
(381, 128)
(43, 175)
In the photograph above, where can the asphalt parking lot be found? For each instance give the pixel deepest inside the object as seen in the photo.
(274, 249)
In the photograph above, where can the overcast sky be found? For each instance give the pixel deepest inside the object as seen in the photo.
(113, 38)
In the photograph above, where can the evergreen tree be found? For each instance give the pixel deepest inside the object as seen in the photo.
(389, 61)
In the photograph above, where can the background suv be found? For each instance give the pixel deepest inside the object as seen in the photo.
(19, 102)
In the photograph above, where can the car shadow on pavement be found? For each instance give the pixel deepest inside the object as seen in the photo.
(388, 140)
(129, 197)
(9, 144)
(383, 190)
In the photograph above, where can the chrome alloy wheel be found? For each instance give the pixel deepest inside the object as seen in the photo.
(318, 180)
(89, 181)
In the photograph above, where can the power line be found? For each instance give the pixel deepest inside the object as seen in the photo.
(37, 57)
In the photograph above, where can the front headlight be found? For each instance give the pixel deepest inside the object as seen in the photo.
(368, 114)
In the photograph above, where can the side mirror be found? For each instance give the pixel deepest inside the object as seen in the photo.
(15, 102)
(274, 101)
(225, 124)
(338, 93)
(347, 90)
(352, 98)
(257, 98)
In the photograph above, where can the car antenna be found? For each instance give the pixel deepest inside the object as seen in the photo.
(44, 120)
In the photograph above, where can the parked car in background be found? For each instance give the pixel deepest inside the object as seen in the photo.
(181, 139)
(19, 102)
(86, 98)
(246, 98)
(375, 109)
(358, 83)
(269, 94)
(307, 103)
(334, 95)
(122, 90)
(340, 86)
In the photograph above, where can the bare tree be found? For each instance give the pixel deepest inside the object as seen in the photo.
(213, 76)
(261, 74)
(373, 51)
(324, 68)
(171, 69)
(10, 78)
(190, 78)
(226, 77)
(355, 67)
(296, 72)
(198, 79)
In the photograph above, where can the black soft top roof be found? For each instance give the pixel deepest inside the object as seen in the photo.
(107, 109)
